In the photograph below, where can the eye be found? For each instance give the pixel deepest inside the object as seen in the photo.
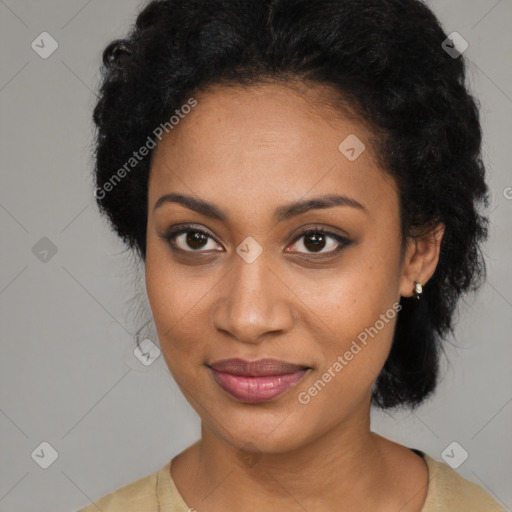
(189, 239)
(316, 240)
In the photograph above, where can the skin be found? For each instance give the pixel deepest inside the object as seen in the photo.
(249, 151)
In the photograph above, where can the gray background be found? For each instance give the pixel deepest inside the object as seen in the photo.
(68, 375)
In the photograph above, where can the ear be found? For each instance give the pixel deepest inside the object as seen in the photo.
(420, 259)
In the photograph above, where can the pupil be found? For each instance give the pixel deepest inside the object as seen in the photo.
(313, 242)
(318, 241)
(195, 239)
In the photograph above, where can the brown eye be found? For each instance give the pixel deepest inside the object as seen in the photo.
(189, 239)
(195, 239)
(315, 240)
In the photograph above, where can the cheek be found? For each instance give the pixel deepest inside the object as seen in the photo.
(174, 293)
(358, 324)
(179, 299)
(354, 351)
(170, 296)
(358, 310)
(352, 297)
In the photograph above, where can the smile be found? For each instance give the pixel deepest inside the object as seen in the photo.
(256, 381)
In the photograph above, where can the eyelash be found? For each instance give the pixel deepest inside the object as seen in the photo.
(344, 242)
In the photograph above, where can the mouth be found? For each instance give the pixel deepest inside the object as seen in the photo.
(256, 381)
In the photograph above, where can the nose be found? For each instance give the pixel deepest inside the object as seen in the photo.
(253, 303)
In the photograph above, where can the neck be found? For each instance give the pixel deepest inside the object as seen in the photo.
(341, 466)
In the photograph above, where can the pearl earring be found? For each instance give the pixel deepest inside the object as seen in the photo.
(418, 289)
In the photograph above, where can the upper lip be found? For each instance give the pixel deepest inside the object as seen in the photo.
(261, 367)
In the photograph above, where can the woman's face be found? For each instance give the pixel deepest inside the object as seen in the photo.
(254, 287)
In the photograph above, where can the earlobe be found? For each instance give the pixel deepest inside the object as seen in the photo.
(418, 289)
(420, 261)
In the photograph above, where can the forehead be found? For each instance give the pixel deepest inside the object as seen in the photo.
(268, 142)
(275, 113)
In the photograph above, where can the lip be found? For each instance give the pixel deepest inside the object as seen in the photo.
(256, 381)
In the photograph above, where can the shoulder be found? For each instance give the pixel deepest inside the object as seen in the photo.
(136, 496)
(449, 491)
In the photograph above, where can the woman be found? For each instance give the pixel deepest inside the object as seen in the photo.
(302, 180)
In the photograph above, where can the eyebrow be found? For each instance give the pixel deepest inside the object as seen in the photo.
(280, 214)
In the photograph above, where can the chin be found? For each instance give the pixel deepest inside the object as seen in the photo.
(263, 432)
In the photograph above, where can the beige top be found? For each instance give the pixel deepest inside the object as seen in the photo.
(447, 492)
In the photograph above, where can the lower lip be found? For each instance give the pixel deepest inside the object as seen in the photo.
(257, 389)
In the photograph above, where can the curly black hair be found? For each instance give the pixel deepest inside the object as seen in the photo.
(386, 59)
